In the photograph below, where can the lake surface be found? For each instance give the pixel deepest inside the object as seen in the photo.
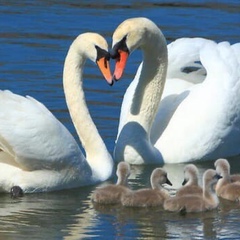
(34, 37)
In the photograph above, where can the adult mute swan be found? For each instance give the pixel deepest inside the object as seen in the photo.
(202, 121)
(37, 152)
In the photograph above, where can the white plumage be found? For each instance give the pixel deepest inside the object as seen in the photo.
(198, 117)
(37, 152)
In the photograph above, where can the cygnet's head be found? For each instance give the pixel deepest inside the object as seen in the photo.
(123, 172)
(159, 177)
(190, 174)
(222, 167)
(210, 178)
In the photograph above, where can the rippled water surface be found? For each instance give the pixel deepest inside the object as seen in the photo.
(34, 37)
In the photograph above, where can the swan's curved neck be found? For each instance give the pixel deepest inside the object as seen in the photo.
(155, 183)
(122, 181)
(151, 82)
(209, 192)
(75, 98)
(193, 180)
(226, 172)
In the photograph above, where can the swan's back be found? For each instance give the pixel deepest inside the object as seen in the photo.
(148, 197)
(145, 198)
(184, 59)
(215, 102)
(230, 191)
(110, 194)
(221, 61)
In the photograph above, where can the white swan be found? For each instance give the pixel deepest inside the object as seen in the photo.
(37, 152)
(201, 121)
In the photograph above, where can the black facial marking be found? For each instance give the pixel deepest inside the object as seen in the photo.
(102, 53)
(121, 45)
(168, 181)
(217, 176)
(184, 182)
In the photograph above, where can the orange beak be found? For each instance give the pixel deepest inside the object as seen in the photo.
(120, 64)
(104, 67)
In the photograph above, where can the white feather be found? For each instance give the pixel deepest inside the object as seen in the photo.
(37, 153)
(198, 117)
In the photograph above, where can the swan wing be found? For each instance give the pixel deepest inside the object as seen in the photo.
(31, 138)
(184, 59)
(206, 124)
(176, 89)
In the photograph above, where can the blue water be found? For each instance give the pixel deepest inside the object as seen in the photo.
(34, 38)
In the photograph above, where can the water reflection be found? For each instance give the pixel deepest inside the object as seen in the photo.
(45, 216)
(155, 222)
(72, 215)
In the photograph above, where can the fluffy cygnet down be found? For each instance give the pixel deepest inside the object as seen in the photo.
(149, 197)
(195, 202)
(190, 182)
(228, 187)
(111, 194)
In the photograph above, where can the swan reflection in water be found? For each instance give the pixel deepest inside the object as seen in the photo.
(155, 222)
(71, 213)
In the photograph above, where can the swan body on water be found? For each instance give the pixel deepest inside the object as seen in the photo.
(195, 202)
(193, 116)
(229, 186)
(149, 197)
(112, 193)
(37, 152)
(190, 183)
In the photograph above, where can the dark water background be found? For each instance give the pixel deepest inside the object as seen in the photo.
(34, 38)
